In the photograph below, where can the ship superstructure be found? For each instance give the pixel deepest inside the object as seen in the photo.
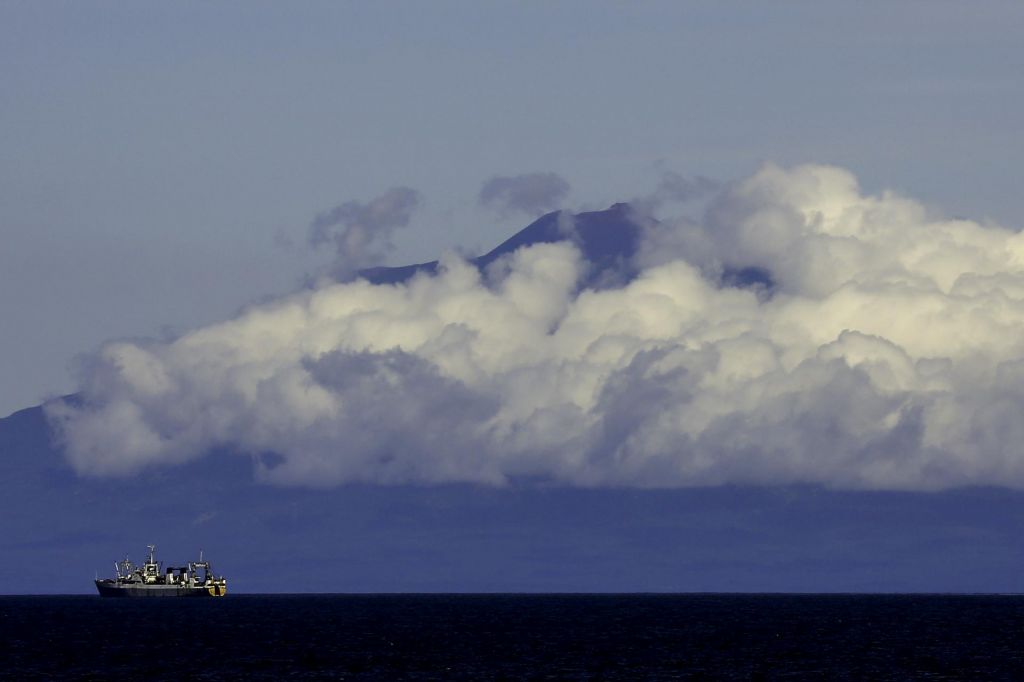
(194, 579)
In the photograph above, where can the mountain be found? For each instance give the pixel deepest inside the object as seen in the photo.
(607, 239)
(56, 528)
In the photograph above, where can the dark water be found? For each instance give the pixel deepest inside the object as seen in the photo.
(513, 637)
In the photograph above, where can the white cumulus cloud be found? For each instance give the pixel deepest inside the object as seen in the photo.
(887, 354)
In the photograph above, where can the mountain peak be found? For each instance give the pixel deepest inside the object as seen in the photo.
(607, 239)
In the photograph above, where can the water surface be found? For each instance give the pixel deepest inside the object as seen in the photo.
(495, 637)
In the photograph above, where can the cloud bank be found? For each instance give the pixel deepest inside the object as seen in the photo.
(888, 354)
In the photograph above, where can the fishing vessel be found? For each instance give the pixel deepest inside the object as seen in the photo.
(194, 579)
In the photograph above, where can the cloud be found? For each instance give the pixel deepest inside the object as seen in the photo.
(888, 356)
(530, 193)
(361, 232)
(673, 188)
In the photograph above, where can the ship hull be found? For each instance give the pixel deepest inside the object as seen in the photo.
(111, 589)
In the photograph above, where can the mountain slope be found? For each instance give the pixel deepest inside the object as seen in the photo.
(56, 529)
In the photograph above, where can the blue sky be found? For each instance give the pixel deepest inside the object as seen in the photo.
(161, 163)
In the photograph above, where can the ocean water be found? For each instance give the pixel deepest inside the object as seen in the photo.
(514, 637)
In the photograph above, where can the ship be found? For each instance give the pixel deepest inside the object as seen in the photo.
(194, 579)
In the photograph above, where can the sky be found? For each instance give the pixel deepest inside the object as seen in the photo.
(163, 166)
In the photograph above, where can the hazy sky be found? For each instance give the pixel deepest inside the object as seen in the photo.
(161, 164)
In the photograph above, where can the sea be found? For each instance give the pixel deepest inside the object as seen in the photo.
(514, 637)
